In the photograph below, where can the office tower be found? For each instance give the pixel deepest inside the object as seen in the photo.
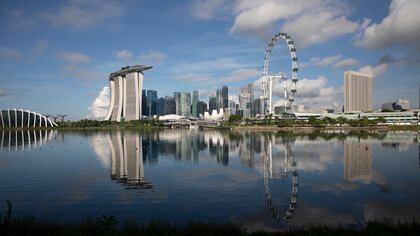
(225, 97)
(212, 103)
(169, 106)
(144, 108)
(232, 107)
(251, 96)
(257, 107)
(357, 91)
(185, 104)
(218, 99)
(201, 108)
(160, 106)
(194, 104)
(177, 97)
(125, 86)
(152, 101)
(387, 106)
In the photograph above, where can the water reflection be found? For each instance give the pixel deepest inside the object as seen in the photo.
(127, 160)
(11, 140)
(252, 178)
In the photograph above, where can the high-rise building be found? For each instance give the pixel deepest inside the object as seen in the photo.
(185, 104)
(357, 91)
(212, 103)
(169, 106)
(201, 107)
(225, 97)
(159, 106)
(257, 107)
(144, 108)
(218, 99)
(126, 100)
(177, 97)
(152, 101)
(387, 106)
(194, 104)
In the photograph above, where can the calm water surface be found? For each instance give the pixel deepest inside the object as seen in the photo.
(262, 180)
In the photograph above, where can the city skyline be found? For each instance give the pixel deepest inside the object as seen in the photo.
(49, 48)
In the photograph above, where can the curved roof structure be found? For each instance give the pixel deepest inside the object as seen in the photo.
(19, 118)
(129, 69)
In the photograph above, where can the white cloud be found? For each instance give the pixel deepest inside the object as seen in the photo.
(401, 26)
(326, 61)
(346, 63)
(152, 57)
(100, 105)
(8, 53)
(240, 75)
(74, 57)
(308, 22)
(208, 9)
(375, 70)
(123, 54)
(80, 14)
(84, 73)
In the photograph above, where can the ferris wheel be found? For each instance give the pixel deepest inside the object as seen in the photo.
(267, 79)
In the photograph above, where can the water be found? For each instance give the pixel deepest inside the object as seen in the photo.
(262, 180)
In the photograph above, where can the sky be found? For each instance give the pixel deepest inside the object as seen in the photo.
(55, 56)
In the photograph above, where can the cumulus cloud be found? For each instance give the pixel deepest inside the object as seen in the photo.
(346, 63)
(79, 14)
(375, 70)
(208, 9)
(152, 57)
(100, 105)
(123, 54)
(401, 26)
(240, 75)
(334, 61)
(8, 53)
(308, 22)
(74, 57)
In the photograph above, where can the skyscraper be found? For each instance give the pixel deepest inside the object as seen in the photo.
(357, 91)
(177, 97)
(125, 86)
(169, 106)
(212, 103)
(152, 101)
(160, 106)
(218, 99)
(144, 108)
(225, 97)
(194, 104)
(201, 108)
(185, 104)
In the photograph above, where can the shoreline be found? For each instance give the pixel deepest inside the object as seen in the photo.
(233, 128)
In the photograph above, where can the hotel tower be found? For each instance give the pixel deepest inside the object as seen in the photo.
(357, 92)
(126, 86)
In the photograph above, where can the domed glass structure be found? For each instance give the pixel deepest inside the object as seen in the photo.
(19, 118)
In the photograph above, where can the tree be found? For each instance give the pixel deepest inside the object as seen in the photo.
(381, 119)
(234, 118)
(342, 120)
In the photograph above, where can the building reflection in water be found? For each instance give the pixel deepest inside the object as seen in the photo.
(127, 160)
(11, 140)
(357, 160)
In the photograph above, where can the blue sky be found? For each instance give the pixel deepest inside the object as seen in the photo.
(55, 56)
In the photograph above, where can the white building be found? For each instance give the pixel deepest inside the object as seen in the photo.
(357, 91)
(126, 86)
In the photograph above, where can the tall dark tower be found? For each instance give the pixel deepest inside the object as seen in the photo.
(225, 97)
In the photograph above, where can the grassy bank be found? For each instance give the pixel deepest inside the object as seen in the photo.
(108, 226)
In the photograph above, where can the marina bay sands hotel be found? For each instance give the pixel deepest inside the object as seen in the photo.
(126, 86)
